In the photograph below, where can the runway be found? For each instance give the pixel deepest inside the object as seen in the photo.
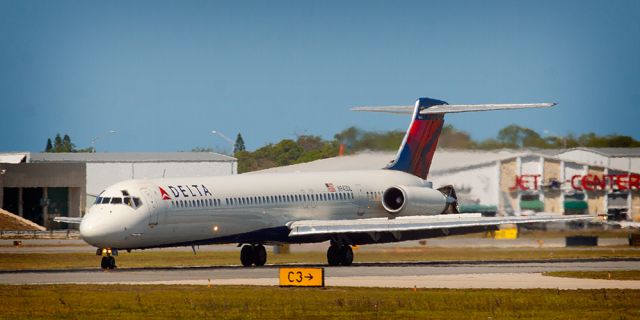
(455, 275)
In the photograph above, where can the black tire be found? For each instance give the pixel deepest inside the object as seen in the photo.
(346, 255)
(112, 262)
(247, 255)
(333, 257)
(104, 264)
(260, 257)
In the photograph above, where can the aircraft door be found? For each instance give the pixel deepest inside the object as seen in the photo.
(153, 207)
(360, 200)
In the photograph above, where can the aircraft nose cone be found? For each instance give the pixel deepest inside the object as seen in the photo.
(92, 231)
(101, 229)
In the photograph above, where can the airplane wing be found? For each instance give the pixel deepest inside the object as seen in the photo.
(71, 220)
(416, 223)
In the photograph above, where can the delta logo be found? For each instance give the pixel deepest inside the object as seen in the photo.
(164, 194)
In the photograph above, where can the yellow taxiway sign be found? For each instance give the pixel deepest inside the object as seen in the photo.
(302, 277)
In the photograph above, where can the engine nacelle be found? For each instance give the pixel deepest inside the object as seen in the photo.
(411, 201)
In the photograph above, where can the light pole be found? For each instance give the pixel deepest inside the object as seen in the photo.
(93, 141)
(233, 144)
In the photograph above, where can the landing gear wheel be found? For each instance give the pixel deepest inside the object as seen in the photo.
(339, 255)
(108, 263)
(247, 255)
(112, 262)
(346, 256)
(333, 255)
(260, 255)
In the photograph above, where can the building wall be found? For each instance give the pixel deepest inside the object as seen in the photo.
(530, 165)
(508, 171)
(474, 185)
(635, 206)
(47, 175)
(34, 175)
(552, 197)
(624, 164)
(102, 175)
(584, 157)
(596, 198)
(571, 169)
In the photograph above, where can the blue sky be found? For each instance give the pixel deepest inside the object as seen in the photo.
(166, 73)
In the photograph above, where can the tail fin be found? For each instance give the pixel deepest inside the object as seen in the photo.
(420, 141)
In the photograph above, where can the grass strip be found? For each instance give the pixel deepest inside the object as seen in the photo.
(609, 275)
(230, 302)
(165, 258)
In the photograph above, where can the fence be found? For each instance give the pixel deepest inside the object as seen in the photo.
(34, 234)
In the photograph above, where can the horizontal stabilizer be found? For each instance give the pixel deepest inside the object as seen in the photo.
(453, 108)
(414, 223)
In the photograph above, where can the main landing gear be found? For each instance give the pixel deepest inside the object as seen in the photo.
(253, 255)
(108, 258)
(339, 255)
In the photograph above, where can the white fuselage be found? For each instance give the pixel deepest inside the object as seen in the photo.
(233, 209)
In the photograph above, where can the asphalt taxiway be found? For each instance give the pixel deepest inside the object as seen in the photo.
(468, 274)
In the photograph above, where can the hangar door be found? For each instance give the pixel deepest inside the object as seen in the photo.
(32, 204)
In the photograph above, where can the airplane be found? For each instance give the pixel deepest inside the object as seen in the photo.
(346, 208)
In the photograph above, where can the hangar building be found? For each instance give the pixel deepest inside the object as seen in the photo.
(40, 186)
(583, 180)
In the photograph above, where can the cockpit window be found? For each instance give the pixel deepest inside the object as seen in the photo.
(133, 202)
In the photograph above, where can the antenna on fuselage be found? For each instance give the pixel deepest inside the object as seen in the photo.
(164, 171)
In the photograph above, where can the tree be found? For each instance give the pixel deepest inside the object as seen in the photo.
(239, 145)
(514, 136)
(67, 146)
(453, 138)
(49, 146)
(57, 143)
(63, 144)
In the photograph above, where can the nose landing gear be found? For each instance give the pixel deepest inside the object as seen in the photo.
(253, 255)
(108, 258)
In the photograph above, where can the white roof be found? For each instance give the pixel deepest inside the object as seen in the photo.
(444, 159)
(611, 152)
(13, 157)
(79, 157)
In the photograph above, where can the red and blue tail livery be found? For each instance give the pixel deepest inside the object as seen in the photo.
(420, 141)
(419, 144)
